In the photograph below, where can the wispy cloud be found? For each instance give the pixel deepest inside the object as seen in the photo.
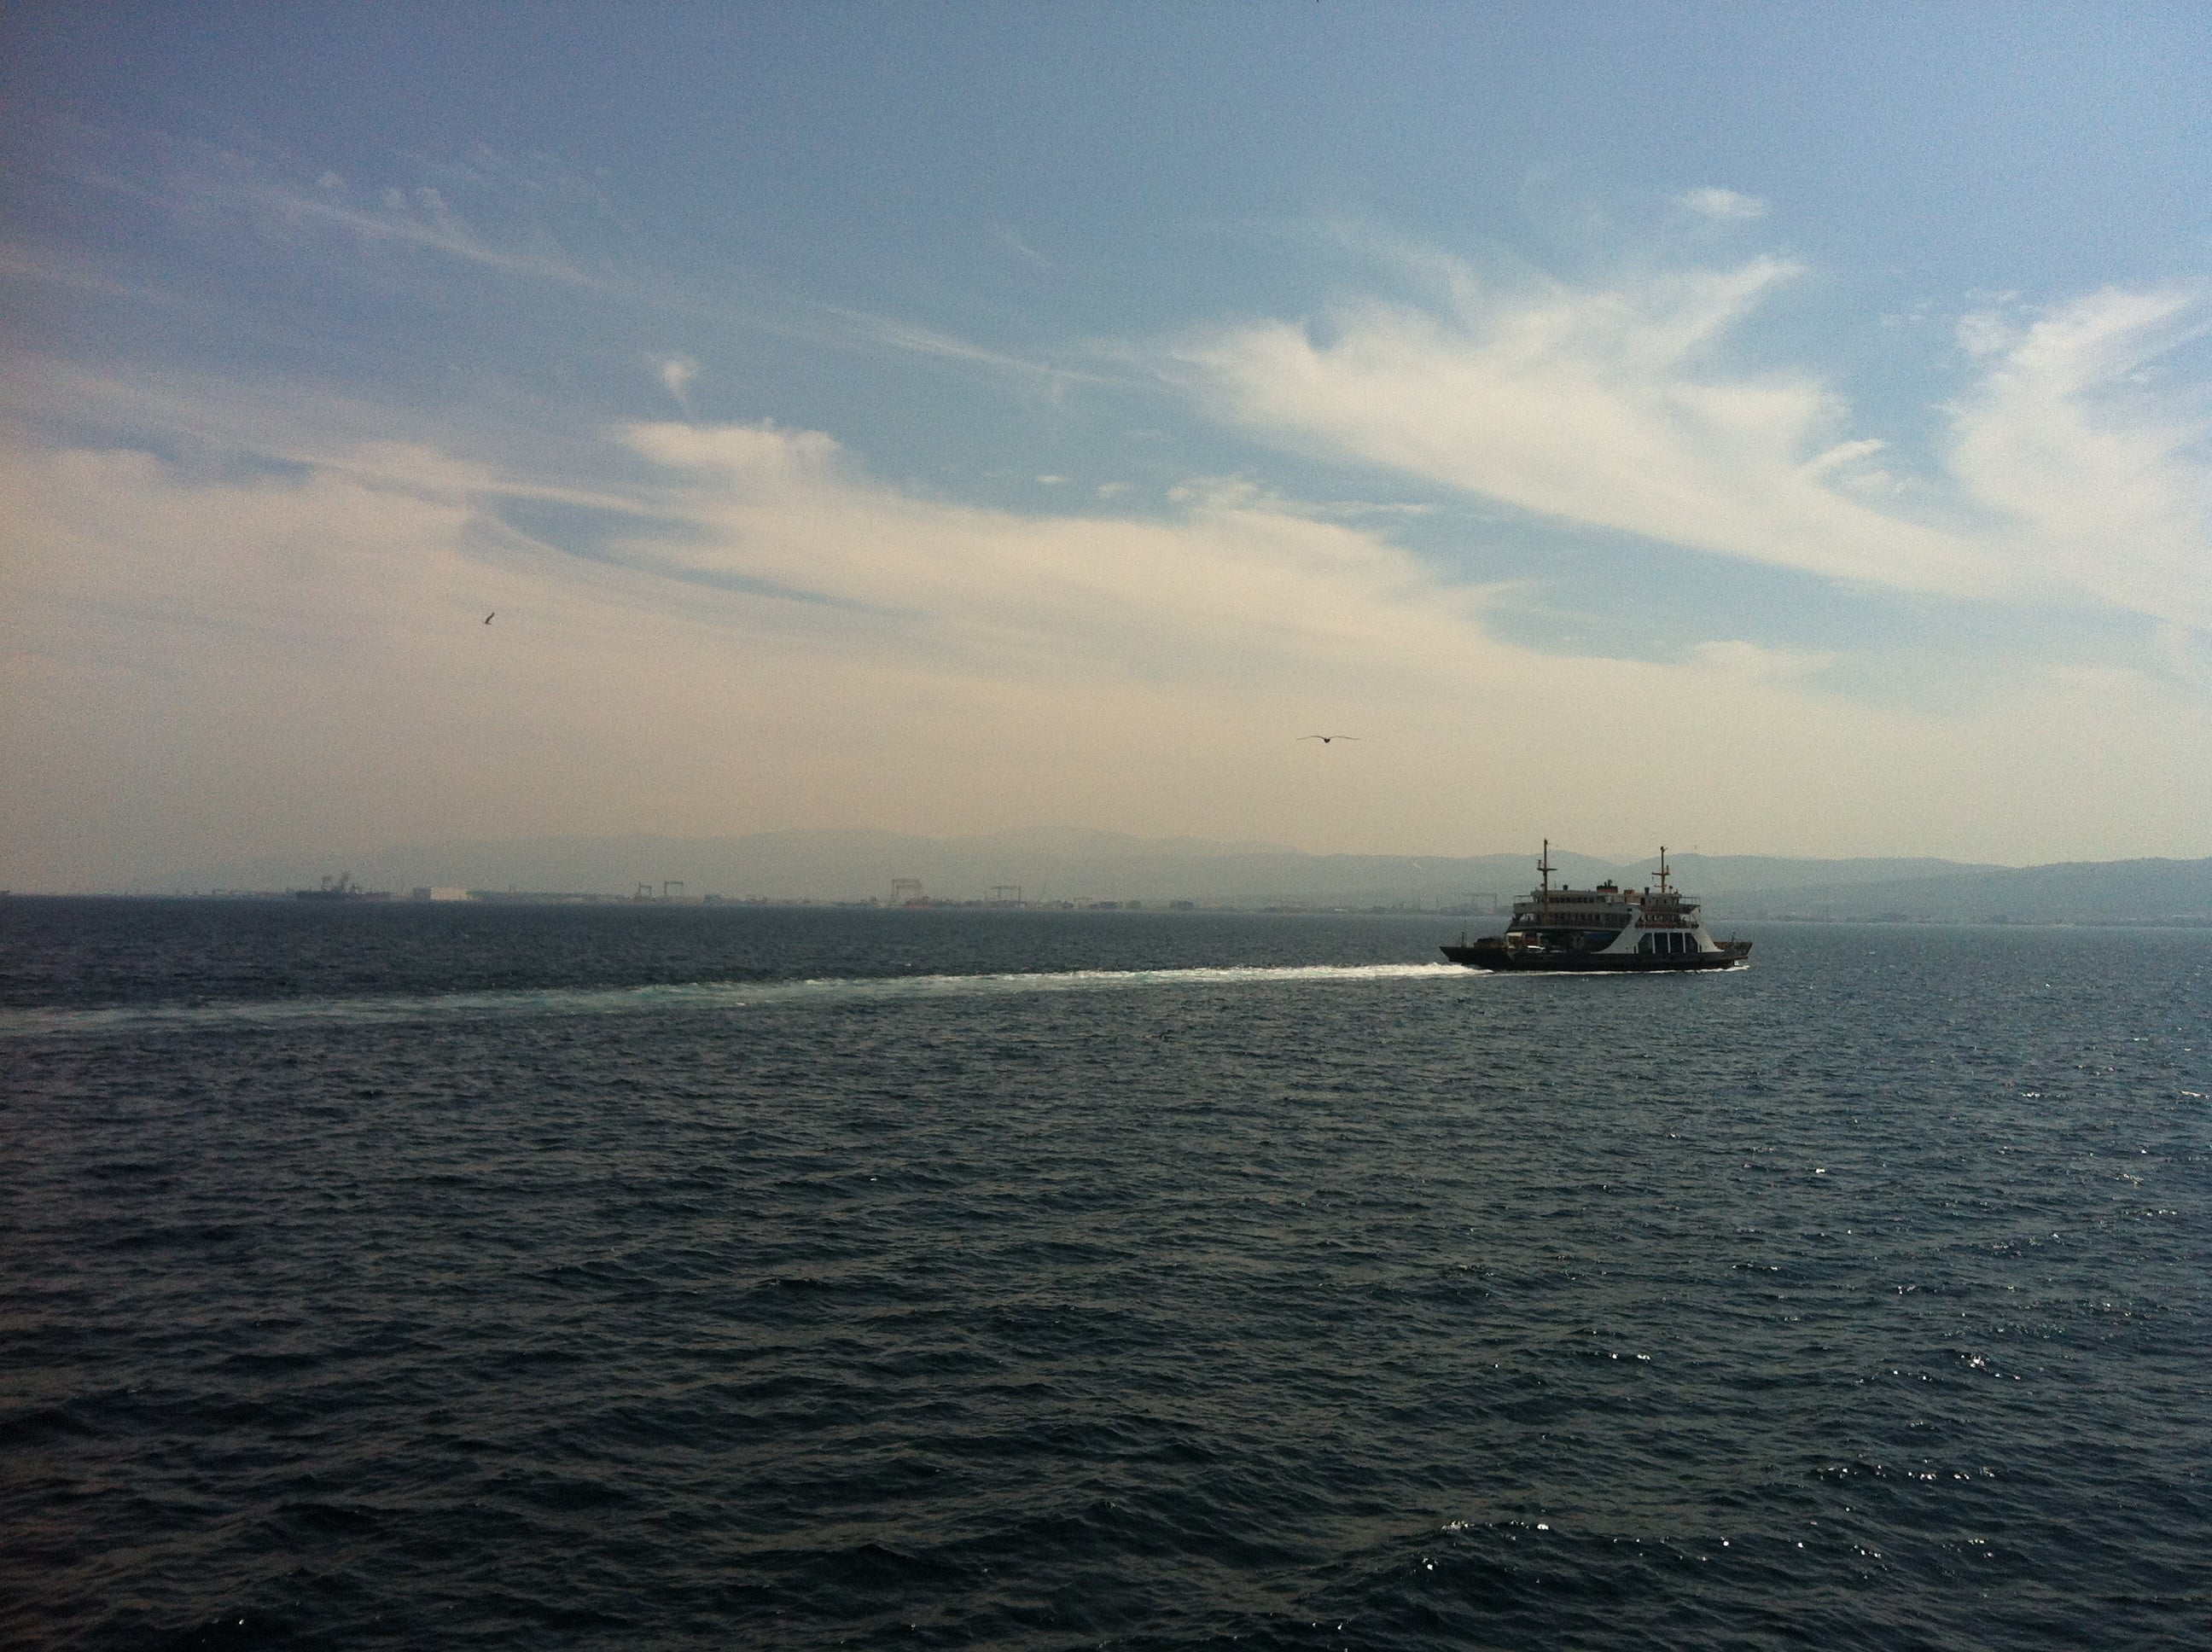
(212, 185)
(1043, 592)
(1757, 664)
(767, 636)
(2101, 483)
(676, 373)
(1724, 204)
(861, 326)
(49, 268)
(538, 223)
(1619, 408)
(1005, 236)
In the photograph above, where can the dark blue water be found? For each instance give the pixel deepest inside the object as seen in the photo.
(475, 1277)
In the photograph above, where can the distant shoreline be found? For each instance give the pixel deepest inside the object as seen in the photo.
(539, 899)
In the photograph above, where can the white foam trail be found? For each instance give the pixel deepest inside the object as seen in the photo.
(704, 995)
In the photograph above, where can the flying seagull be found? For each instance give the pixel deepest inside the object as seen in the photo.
(488, 617)
(1325, 739)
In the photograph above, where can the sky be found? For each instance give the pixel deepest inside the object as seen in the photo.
(1768, 429)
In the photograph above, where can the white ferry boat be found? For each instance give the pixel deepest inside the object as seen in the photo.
(1608, 927)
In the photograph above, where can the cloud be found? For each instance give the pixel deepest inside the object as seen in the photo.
(213, 185)
(537, 222)
(1005, 236)
(1724, 204)
(222, 658)
(1597, 407)
(676, 373)
(66, 270)
(1240, 586)
(1757, 664)
(2100, 485)
(1618, 408)
(1989, 331)
(861, 326)
(207, 660)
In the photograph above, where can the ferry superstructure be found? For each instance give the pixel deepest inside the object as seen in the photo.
(1602, 928)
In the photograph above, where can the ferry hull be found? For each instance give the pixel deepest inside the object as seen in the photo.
(1494, 956)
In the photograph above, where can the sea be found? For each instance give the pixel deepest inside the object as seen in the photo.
(482, 1276)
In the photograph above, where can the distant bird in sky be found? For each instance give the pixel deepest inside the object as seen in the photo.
(488, 617)
(1325, 739)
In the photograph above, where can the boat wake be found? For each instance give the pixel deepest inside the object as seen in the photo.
(699, 996)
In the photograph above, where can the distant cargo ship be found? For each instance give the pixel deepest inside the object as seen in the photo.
(1605, 928)
(340, 888)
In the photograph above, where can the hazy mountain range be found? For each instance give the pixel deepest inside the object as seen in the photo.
(1082, 866)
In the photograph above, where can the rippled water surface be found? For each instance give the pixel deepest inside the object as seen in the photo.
(379, 1276)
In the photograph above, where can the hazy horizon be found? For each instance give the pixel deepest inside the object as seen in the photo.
(1774, 432)
(1090, 865)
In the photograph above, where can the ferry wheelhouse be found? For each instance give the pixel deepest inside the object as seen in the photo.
(1604, 928)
